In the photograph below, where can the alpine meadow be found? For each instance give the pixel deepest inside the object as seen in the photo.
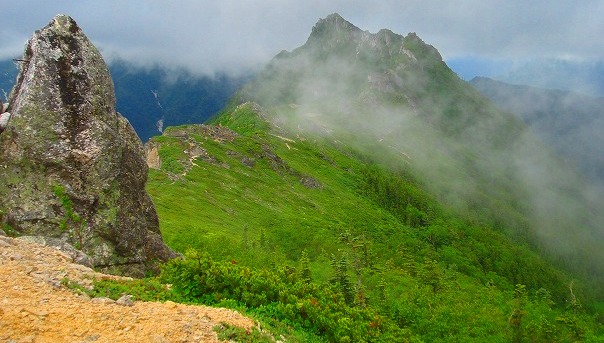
(357, 190)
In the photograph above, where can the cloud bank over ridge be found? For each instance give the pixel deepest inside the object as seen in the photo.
(235, 36)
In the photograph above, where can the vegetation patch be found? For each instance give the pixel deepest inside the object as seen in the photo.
(71, 222)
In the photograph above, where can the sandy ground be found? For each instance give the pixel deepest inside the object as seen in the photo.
(34, 307)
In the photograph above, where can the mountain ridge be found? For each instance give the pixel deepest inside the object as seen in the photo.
(583, 77)
(416, 106)
(422, 196)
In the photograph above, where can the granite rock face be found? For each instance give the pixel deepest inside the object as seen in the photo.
(72, 167)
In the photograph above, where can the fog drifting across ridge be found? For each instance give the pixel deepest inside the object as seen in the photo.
(394, 99)
(570, 123)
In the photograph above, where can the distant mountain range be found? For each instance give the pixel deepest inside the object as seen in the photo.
(577, 76)
(8, 74)
(154, 98)
(571, 123)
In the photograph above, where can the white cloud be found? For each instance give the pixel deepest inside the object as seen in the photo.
(206, 36)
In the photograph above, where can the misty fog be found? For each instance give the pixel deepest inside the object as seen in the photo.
(570, 123)
(394, 99)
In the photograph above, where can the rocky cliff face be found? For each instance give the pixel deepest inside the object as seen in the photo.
(72, 167)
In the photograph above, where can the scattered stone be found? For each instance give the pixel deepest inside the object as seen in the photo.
(37, 313)
(28, 339)
(102, 300)
(217, 133)
(76, 255)
(92, 338)
(310, 182)
(15, 257)
(54, 283)
(125, 300)
(4, 118)
(170, 304)
(248, 161)
(158, 339)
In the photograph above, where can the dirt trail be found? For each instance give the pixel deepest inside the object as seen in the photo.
(34, 307)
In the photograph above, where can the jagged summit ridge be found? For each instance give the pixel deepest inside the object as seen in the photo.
(332, 31)
(335, 35)
(74, 168)
(333, 22)
(357, 64)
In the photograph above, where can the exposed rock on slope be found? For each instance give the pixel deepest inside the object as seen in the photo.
(34, 307)
(72, 167)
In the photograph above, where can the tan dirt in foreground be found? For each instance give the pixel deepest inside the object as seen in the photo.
(34, 307)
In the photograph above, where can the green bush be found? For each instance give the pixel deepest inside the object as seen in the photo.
(283, 294)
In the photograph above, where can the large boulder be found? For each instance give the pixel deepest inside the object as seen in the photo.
(71, 166)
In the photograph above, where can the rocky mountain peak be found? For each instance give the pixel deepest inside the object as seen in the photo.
(73, 168)
(335, 22)
(427, 51)
(332, 29)
(340, 62)
(334, 35)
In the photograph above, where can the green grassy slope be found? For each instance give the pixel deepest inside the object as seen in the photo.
(357, 190)
(263, 197)
(393, 98)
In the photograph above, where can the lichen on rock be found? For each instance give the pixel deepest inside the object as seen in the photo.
(73, 168)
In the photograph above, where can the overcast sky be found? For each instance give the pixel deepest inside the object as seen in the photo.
(208, 36)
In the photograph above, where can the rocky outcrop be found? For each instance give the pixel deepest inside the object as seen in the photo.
(4, 116)
(152, 152)
(72, 167)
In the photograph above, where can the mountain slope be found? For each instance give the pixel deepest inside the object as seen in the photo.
(264, 198)
(155, 98)
(569, 122)
(384, 199)
(585, 77)
(394, 98)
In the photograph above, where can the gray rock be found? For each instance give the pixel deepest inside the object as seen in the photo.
(310, 182)
(4, 118)
(76, 255)
(102, 300)
(92, 338)
(125, 300)
(72, 167)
